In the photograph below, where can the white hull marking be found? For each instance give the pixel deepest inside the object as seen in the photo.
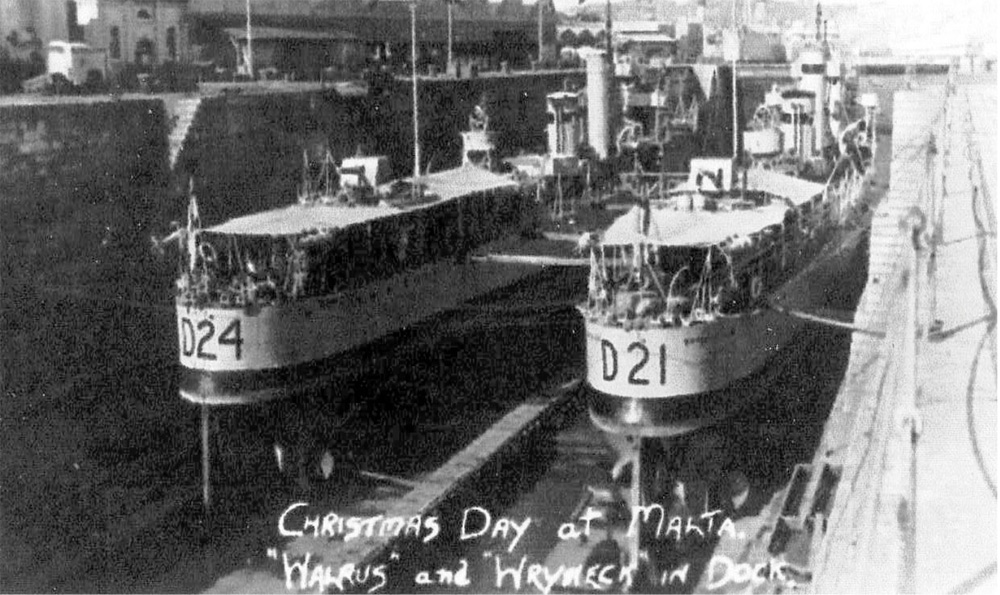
(664, 362)
(277, 336)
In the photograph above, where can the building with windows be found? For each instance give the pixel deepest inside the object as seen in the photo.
(39, 20)
(141, 32)
(300, 37)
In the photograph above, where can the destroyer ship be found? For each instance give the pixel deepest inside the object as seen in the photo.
(694, 291)
(265, 301)
(682, 289)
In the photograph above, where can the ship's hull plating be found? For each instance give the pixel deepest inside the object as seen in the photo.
(664, 382)
(246, 355)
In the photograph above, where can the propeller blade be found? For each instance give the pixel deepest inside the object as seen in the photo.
(739, 489)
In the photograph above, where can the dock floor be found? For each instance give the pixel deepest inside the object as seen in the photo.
(428, 496)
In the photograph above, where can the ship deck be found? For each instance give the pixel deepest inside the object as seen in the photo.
(669, 226)
(300, 218)
(682, 227)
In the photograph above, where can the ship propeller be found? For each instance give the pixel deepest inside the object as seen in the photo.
(621, 466)
(279, 455)
(739, 489)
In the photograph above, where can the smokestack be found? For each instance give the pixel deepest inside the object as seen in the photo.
(699, 15)
(599, 104)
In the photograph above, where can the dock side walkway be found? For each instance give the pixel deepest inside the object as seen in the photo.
(956, 453)
(913, 431)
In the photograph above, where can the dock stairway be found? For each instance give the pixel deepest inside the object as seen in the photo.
(183, 114)
(801, 521)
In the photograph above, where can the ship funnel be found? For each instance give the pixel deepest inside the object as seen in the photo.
(812, 65)
(599, 111)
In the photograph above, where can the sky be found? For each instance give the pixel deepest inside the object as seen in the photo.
(85, 10)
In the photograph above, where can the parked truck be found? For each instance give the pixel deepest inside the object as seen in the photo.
(70, 64)
(76, 61)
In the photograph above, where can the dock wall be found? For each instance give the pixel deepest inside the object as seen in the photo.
(77, 181)
(867, 439)
(245, 150)
(86, 181)
(84, 148)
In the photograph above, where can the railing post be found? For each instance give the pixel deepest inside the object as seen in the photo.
(915, 223)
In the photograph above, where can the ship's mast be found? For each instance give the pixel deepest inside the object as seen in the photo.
(451, 6)
(607, 30)
(249, 55)
(819, 20)
(416, 106)
(736, 56)
(538, 7)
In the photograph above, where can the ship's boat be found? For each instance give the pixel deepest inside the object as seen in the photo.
(681, 290)
(266, 301)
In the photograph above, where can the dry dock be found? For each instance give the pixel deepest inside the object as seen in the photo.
(912, 435)
(428, 496)
(893, 491)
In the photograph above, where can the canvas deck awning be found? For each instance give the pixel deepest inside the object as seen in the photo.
(797, 190)
(686, 227)
(298, 218)
(669, 227)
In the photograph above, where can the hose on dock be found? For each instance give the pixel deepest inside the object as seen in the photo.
(826, 321)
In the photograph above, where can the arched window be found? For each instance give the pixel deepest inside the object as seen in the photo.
(115, 45)
(172, 43)
(144, 14)
(145, 52)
